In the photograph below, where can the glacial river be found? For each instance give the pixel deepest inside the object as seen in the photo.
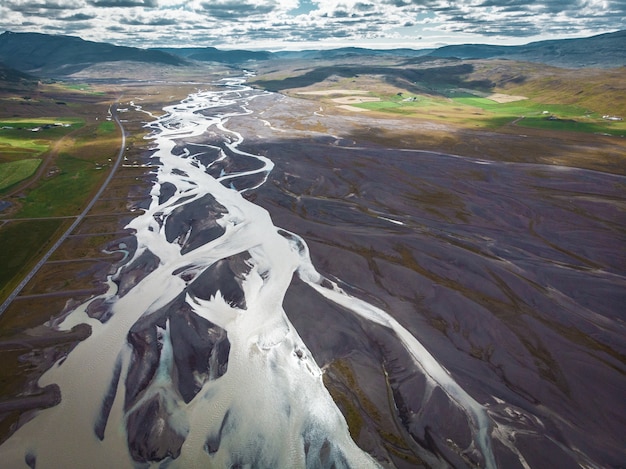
(193, 361)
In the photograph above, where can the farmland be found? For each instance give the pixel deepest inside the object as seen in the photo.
(50, 165)
(492, 109)
(471, 110)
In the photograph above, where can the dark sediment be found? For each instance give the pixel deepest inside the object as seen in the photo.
(131, 274)
(212, 444)
(166, 191)
(224, 276)
(194, 224)
(200, 352)
(107, 402)
(511, 275)
(147, 440)
(321, 452)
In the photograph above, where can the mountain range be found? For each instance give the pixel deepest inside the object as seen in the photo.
(56, 56)
(49, 55)
(601, 51)
(211, 54)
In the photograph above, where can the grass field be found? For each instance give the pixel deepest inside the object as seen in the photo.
(76, 151)
(22, 243)
(46, 128)
(106, 127)
(13, 149)
(63, 194)
(556, 118)
(475, 111)
(30, 138)
(455, 92)
(16, 171)
(25, 143)
(81, 87)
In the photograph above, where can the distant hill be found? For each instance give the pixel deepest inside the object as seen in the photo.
(601, 51)
(211, 54)
(346, 52)
(48, 55)
(14, 80)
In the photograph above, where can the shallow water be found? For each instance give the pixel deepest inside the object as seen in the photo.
(470, 311)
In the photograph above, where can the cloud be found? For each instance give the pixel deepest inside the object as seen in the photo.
(78, 17)
(232, 10)
(42, 4)
(249, 22)
(124, 3)
(148, 22)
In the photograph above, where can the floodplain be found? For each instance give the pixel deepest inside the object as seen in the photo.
(397, 198)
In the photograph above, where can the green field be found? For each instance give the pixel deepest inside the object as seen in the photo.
(462, 107)
(29, 124)
(65, 193)
(106, 127)
(22, 243)
(12, 149)
(20, 138)
(24, 141)
(75, 172)
(84, 87)
(16, 171)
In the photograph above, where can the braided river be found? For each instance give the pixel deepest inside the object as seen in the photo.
(308, 303)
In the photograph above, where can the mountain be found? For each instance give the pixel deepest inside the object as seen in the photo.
(472, 51)
(211, 54)
(601, 51)
(346, 52)
(49, 55)
(14, 80)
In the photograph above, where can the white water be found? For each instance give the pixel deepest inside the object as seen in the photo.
(271, 401)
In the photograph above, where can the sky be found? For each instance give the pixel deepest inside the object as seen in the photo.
(313, 24)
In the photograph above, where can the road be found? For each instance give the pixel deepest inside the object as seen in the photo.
(79, 219)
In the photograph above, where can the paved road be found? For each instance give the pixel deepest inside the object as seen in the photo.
(79, 219)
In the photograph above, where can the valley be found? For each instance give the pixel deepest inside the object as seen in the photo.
(442, 237)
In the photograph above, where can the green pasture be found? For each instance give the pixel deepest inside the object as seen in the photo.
(527, 107)
(464, 108)
(84, 87)
(18, 139)
(106, 127)
(16, 171)
(21, 146)
(545, 116)
(22, 243)
(65, 193)
(30, 123)
(12, 149)
(572, 125)
(78, 86)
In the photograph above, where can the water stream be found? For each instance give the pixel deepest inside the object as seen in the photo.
(192, 361)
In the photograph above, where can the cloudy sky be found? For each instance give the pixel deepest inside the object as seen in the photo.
(300, 24)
